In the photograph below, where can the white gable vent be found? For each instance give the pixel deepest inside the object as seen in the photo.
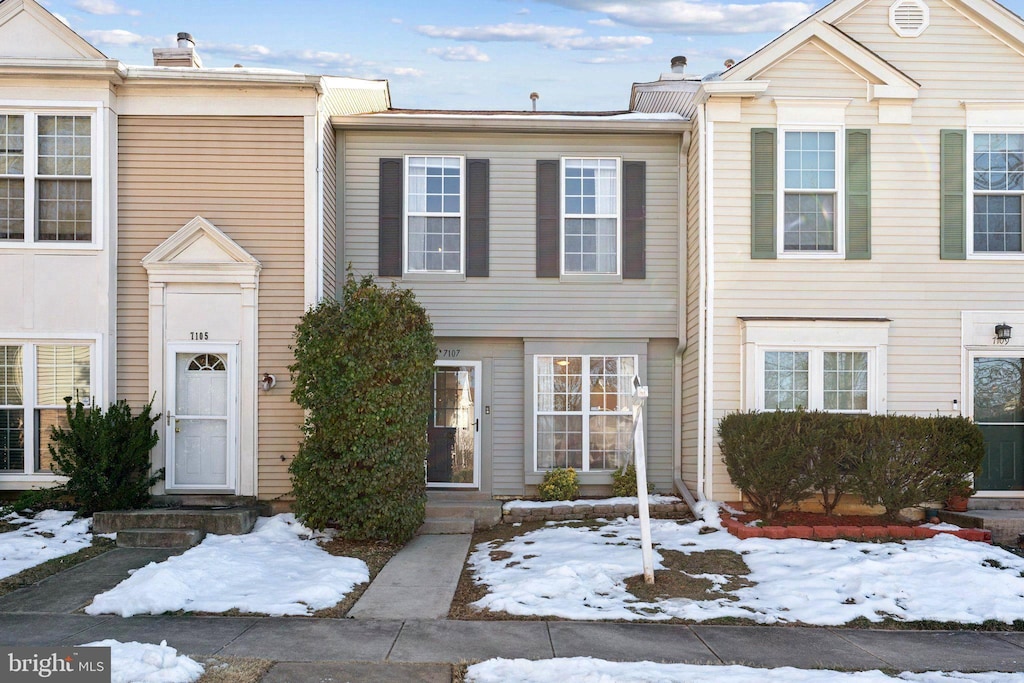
(908, 18)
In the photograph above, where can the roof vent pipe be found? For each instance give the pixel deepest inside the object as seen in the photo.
(185, 40)
(729, 63)
(679, 64)
(533, 98)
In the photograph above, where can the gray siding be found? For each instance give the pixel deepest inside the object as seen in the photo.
(513, 302)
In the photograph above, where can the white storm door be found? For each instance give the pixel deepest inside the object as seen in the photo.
(202, 417)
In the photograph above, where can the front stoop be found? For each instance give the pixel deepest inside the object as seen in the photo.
(447, 525)
(478, 514)
(235, 520)
(1005, 525)
(159, 538)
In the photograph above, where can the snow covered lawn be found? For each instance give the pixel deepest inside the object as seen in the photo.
(277, 569)
(579, 572)
(146, 663)
(49, 535)
(589, 670)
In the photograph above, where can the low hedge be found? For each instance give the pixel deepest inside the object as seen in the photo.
(896, 461)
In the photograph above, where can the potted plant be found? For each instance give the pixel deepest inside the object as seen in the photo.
(956, 499)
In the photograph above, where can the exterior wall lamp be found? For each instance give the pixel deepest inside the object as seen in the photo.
(1003, 333)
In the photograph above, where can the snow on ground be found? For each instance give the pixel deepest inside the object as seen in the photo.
(578, 572)
(50, 534)
(655, 499)
(590, 670)
(145, 663)
(277, 569)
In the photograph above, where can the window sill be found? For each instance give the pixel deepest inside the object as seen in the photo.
(51, 246)
(814, 255)
(433, 277)
(19, 481)
(590, 277)
(996, 256)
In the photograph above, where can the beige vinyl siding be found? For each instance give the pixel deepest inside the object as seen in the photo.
(904, 280)
(513, 302)
(245, 175)
(692, 378)
(330, 233)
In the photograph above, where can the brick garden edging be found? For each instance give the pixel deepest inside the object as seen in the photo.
(829, 532)
(557, 513)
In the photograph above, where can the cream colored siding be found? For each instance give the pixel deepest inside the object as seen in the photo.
(245, 175)
(330, 233)
(513, 301)
(691, 358)
(904, 280)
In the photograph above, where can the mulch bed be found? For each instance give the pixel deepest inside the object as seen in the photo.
(817, 526)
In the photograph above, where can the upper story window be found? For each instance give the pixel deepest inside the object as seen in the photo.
(434, 219)
(998, 188)
(47, 188)
(810, 191)
(590, 216)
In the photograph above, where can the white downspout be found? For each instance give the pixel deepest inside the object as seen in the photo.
(701, 293)
(707, 489)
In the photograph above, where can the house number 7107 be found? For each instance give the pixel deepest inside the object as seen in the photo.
(200, 336)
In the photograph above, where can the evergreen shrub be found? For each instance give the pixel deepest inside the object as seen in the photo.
(559, 484)
(624, 481)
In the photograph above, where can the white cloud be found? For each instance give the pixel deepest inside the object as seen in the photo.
(313, 60)
(104, 7)
(560, 37)
(524, 10)
(61, 18)
(403, 71)
(694, 16)
(618, 58)
(397, 20)
(463, 53)
(121, 38)
(601, 22)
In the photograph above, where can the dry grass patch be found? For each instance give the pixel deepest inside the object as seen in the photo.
(222, 669)
(33, 575)
(682, 577)
(374, 553)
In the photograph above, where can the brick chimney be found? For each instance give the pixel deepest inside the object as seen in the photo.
(183, 55)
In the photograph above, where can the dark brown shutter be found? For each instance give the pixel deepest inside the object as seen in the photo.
(478, 212)
(634, 220)
(389, 235)
(548, 219)
(762, 193)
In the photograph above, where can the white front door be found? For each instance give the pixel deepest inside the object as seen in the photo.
(454, 430)
(202, 417)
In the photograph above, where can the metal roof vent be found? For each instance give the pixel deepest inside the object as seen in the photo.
(908, 18)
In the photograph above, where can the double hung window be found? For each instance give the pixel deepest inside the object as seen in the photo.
(998, 189)
(583, 411)
(47, 167)
(591, 216)
(810, 188)
(434, 221)
(816, 379)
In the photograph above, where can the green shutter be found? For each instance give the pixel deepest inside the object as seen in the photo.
(763, 193)
(953, 194)
(858, 194)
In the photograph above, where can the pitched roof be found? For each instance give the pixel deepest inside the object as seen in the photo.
(33, 32)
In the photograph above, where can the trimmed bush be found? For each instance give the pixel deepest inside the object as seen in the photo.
(363, 372)
(766, 459)
(905, 460)
(105, 456)
(624, 481)
(559, 484)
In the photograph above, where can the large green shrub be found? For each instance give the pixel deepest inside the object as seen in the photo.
(363, 370)
(559, 484)
(766, 460)
(905, 460)
(105, 457)
(624, 481)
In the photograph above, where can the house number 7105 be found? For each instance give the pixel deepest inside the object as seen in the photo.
(200, 336)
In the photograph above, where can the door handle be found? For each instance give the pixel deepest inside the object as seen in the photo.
(478, 424)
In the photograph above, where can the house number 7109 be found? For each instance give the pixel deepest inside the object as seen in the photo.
(200, 336)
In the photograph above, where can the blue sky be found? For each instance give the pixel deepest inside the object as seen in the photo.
(452, 54)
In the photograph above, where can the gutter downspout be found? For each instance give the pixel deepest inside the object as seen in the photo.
(701, 296)
(709, 311)
(677, 360)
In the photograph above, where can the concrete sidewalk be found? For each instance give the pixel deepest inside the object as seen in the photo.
(326, 642)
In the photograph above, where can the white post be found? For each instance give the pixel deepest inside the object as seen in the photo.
(640, 394)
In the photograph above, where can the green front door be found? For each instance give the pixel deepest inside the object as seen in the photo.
(999, 412)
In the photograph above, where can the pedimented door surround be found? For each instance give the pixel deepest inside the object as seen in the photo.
(203, 291)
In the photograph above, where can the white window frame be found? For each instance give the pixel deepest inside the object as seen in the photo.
(31, 110)
(563, 216)
(816, 376)
(30, 396)
(585, 413)
(969, 176)
(839, 223)
(461, 215)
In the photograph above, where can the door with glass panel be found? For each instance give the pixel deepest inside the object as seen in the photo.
(201, 419)
(453, 433)
(999, 412)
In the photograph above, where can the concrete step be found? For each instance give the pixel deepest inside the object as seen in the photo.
(483, 513)
(1005, 525)
(204, 500)
(236, 520)
(995, 504)
(447, 525)
(159, 538)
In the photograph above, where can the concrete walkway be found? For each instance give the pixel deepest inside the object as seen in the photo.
(419, 582)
